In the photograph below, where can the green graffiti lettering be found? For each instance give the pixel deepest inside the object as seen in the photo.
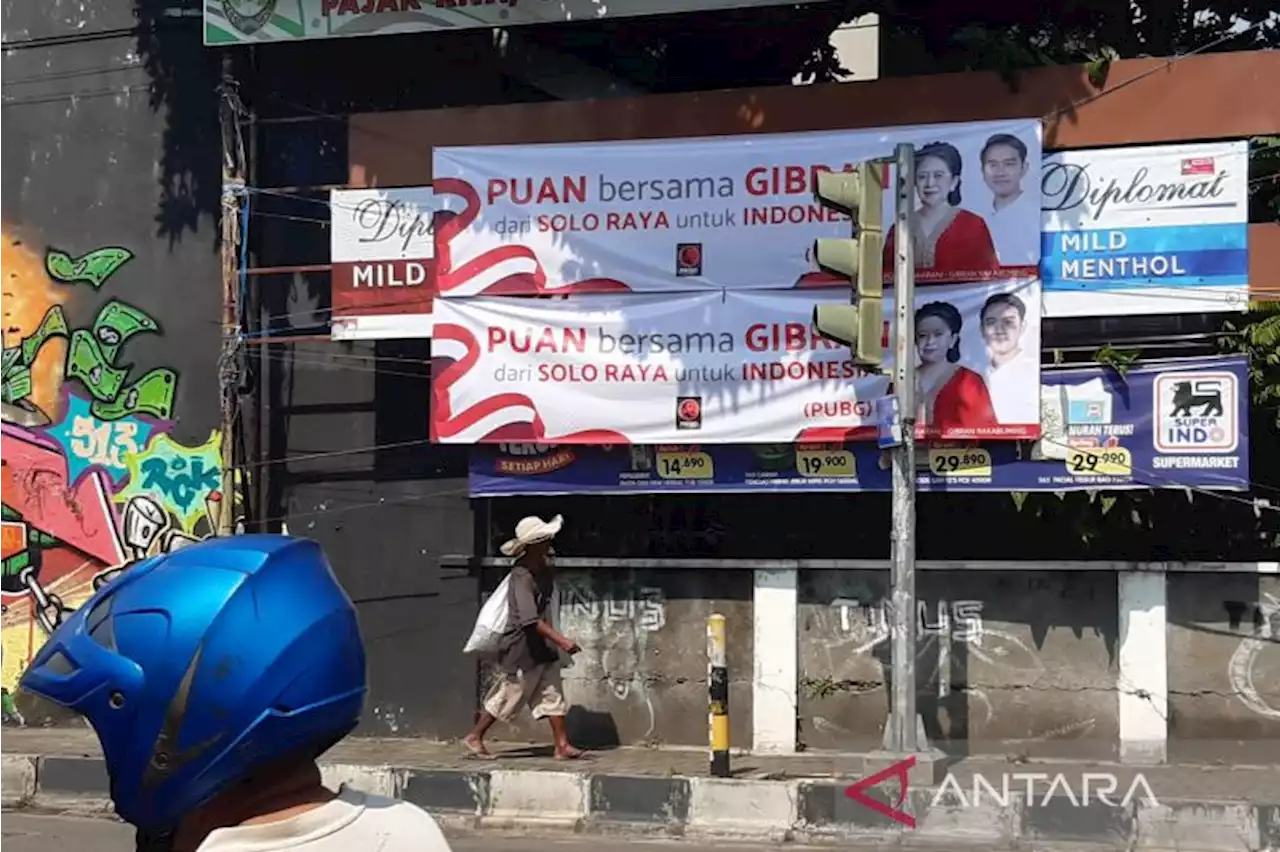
(188, 481)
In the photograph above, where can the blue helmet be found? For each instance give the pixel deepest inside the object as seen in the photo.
(200, 666)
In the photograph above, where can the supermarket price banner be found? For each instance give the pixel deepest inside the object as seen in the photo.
(1164, 425)
(726, 212)
(382, 251)
(724, 367)
(1152, 230)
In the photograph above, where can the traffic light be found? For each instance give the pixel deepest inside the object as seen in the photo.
(859, 325)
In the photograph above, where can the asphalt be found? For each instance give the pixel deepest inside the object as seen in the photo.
(29, 833)
(1225, 781)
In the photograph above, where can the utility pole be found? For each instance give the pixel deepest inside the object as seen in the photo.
(230, 111)
(904, 727)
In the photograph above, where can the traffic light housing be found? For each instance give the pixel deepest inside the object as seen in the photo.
(859, 325)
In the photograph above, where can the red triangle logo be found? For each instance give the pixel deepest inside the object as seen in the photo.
(899, 770)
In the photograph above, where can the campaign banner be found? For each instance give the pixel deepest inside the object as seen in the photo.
(1170, 424)
(726, 367)
(726, 212)
(382, 249)
(255, 21)
(1150, 230)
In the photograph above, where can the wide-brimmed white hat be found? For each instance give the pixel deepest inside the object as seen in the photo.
(532, 530)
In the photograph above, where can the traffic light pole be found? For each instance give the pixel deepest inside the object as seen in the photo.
(904, 726)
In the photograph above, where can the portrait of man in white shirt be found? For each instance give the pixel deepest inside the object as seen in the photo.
(1013, 374)
(1004, 166)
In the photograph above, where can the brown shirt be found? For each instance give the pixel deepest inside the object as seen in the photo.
(522, 648)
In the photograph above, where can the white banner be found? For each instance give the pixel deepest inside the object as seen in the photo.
(1151, 230)
(732, 213)
(255, 21)
(726, 367)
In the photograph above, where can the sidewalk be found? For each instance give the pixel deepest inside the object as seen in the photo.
(667, 791)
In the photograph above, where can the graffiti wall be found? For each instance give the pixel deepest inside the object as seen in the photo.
(1224, 667)
(95, 476)
(641, 678)
(1007, 662)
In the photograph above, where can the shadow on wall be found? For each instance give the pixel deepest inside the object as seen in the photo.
(1224, 667)
(1010, 661)
(184, 80)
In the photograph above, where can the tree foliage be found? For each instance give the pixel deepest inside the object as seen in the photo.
(775, 45)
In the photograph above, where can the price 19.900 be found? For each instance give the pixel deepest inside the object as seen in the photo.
(816, 465)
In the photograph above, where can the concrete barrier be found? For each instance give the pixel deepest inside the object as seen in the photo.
(766, 810)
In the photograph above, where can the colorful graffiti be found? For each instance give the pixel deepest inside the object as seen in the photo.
(92, 479)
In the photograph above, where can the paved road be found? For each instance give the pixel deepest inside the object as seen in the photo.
(28, 833)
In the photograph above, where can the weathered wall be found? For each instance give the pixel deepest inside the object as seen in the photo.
(641, 677)
(1224, 665)
(1007, 661)
(111, 295)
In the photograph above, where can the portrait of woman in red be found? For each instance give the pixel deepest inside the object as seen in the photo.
(951, 396)
(946, 239)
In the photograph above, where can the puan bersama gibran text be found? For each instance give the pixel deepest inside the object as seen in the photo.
(629, 195)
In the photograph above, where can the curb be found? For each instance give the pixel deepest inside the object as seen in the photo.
(773, 811)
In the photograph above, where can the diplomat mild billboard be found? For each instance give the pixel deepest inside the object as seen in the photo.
(1151, 230)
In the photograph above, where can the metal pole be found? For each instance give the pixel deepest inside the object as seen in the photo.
(228, 380)
(718, 693)
(903, 715)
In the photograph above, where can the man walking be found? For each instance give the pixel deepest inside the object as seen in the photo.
(528, 658)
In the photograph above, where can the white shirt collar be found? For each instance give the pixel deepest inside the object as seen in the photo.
(1017, 203)
(308, 826)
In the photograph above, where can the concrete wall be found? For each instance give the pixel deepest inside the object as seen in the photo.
(1005, 660)
(111, 295)
(1140, 663)
(1224, 676)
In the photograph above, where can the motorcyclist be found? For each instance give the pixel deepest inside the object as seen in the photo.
(215, 676)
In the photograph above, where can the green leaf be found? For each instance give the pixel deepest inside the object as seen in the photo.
(1120, 360)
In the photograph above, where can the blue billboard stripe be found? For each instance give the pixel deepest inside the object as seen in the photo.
(1136, 286)
(1173, 268)
(1179, 238)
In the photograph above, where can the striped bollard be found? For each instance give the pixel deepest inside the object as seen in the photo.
(718, 690)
